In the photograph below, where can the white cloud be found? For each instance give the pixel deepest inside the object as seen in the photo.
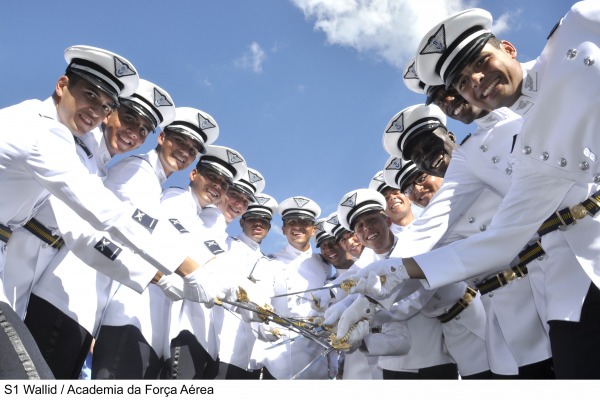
(253, 58)
(505, 22)
(390, 29)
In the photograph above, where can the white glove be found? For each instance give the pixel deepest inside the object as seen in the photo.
(249, 316)
(320, 299)
(361, 309)
(380, 279)
(172, 286)
(200, 287)
(271, 333)
(334, 312)
(316, 317)
(357, 335)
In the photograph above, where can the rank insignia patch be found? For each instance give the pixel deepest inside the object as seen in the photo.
(178, 225)
(214, 247)
(108, 248)
(144, 219)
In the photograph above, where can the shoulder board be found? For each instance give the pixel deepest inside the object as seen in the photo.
(465, 139)
(80, 143)
(234, 238)
(142, 158)
(45, 116)
(213, 247)
(514, 141)
(178, 225)
(554, 29)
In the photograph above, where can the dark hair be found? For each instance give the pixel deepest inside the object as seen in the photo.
(495, 42)
(73, 79)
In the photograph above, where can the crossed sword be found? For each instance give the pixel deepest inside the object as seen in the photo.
(297, 326)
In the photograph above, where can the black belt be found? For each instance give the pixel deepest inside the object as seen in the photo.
(559, 220)
(460, 306)
(44, 234)
(5, 233)
(526, 255)
(569, 215)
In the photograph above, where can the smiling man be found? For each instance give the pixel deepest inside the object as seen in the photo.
(398, 206)
(237, 338)
(132, 318)
(419, 133)
(294, 268)
(554, 155)
(479, 174)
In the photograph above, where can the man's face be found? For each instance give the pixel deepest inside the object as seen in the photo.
(256, 228)
(431, 151)
(422, 189)
(349, 242)
(208, 186)
(234, 204)
(493, 79)
(332, 252)
(455, 106)
(81, 107)
(176, 151)
(298, 232)
(373, 230)
(125, 130)
(397, 204)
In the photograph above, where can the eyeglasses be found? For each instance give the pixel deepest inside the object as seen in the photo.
(419, 181)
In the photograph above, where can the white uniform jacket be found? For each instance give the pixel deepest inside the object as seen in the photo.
(478, 177)
(138, 179)
(555, 165)
(37, 158)
(182, 206)
(291, 270)
(237, 338)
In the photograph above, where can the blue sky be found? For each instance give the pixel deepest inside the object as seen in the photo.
(302, 88)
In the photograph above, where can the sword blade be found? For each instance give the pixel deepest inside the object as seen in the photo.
(310, 364)
(307, 290)
(346, 285)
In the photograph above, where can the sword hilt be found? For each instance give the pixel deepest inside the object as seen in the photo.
(347, 285)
